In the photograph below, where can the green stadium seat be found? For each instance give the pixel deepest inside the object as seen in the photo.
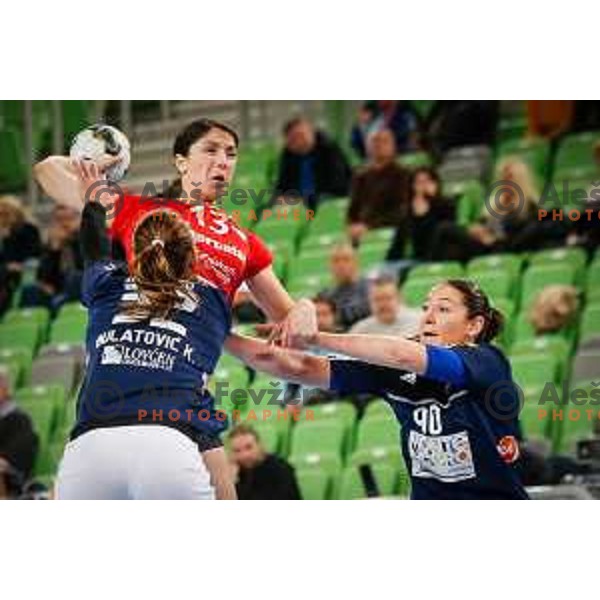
(20, 358)
(590, 322)
(377, 432)
(534, 369)
(568, 257)
(576, 150)
(498, 284)
(69, 329)
(329, 435)
(592, 289)
(512, 127)
(314, 484)
(537, 277)
(351, 486)
(13, 171)
(43, 413)
(378, 237)
(49, 459)
(309, 285)
(388, 455)
(378, 409)
(415, 290)
(413, 160)
(441, 270)
(20, 335)
(548, 345)
(329, 462)
(372, 255)
(511, 263)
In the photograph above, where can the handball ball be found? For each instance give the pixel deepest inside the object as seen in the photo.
(100, 142)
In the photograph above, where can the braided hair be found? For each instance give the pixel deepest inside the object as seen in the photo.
(163, 266)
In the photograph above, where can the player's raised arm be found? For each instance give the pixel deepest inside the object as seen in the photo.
(291, 365)
(58, 178)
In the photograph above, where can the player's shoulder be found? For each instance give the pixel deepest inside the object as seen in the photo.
(484, 356)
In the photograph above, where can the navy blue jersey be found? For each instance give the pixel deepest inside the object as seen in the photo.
(149, 370)
(458, 442)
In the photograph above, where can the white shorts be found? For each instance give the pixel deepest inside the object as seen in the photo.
(137, 462)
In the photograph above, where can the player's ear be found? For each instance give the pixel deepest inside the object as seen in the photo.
(475, 327)
(181, 164)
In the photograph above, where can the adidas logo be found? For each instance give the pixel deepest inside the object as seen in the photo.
(409, 378)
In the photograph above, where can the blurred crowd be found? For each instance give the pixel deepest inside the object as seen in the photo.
(44, 262)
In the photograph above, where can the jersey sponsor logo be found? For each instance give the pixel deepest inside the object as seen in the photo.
(447, 458)
(508, 448)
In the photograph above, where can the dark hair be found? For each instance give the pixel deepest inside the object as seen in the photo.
(243, 429)
(323, 298)
(162, 267)
(384, 279)
(195, 131)
(478, 305)
(289, 125)
(428, 171)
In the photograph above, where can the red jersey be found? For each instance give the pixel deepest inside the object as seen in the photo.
(227, 254)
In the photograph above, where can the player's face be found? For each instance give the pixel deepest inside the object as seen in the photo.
(209, 165)
(246, 451)
(445, 319)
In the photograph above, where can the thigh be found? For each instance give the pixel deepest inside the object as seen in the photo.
(169, 466)
(93, 467)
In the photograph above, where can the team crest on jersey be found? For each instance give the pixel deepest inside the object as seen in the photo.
(508, 448)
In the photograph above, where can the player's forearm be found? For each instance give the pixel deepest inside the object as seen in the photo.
(290, 365)
(58, 179)
(395, 352)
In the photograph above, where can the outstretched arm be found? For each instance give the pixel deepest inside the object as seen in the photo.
(295, 321)
(294, 366)
(387, 351)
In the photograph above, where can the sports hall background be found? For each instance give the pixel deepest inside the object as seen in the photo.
(41, 340)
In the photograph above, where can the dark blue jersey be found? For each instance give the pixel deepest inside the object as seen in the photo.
(150, 371)
(458, 441)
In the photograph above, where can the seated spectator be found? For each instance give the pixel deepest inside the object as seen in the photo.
(379, 195)
(366, 124)
(311, 166)
(512, 226)
(260, 476)
(455, 123)
(58, 278)
(19, 242)
(396, 115)
(584, 232)
(554, 308)
(351, 291)
(427, 208)
(389, 315)
(18, 442)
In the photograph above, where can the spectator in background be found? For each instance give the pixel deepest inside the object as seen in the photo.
(351, 291)
(59, 274)
(379, 195)
(18, 442)
(513, 226)
(311, 166)
(19, 242)
(260, 476)
(389, 315)
(427, 209)
(454, 123)
(549, 118)
(396, 115)
(553, 308)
